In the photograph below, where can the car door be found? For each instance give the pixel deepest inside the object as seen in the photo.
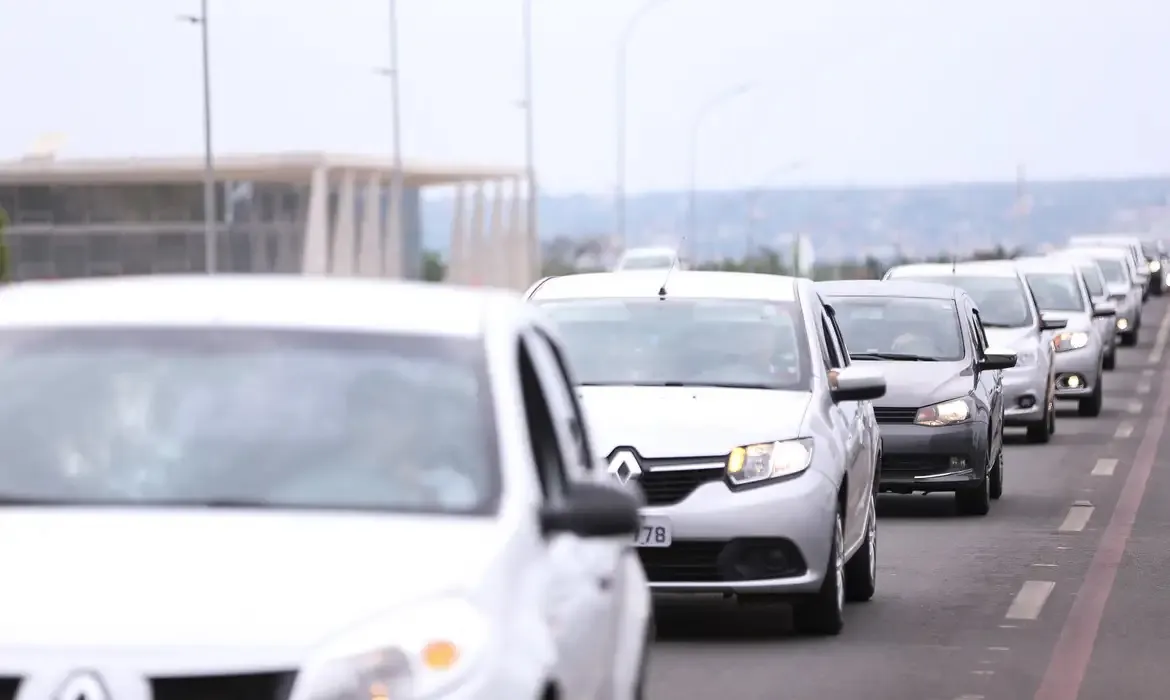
(596, 560)
(990, 381)
(848, 419)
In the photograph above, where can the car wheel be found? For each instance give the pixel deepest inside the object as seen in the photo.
(1091, 407)
(996, 488)
(824, 612)
(975, 500)
(1052, 415)
(1041, 431)
(861, 570)
(1130, 339)
(1110, 360)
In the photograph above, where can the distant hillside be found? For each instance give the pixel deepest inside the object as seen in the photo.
(850, 223)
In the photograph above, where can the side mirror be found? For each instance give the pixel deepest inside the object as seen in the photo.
(593, 510)
(998, 358)
(1052, 324)
(857, 384)
(1104, 310)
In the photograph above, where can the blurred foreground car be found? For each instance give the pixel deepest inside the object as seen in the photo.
(1011, 320)
(730, 399)
(941, 419)
(289, 488)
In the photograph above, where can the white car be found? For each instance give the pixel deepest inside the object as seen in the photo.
(731, 399)
(1125, 288)
(1130, 243)
(306, 489)
(649, 259)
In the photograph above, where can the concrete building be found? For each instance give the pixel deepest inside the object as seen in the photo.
(313, 213)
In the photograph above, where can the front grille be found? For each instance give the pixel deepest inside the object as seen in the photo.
(244, 686)
(894, 415)
(744, 559)
(918, 464)
(667, 487)
(8, 687)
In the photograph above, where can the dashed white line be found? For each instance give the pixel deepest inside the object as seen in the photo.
(1077, 518)
(1104, 467)
(1160, 341)
(1143, 388)
(1030, 600)
(1134, 407)
(1148, 372)
(1123, 431)
(971, 697)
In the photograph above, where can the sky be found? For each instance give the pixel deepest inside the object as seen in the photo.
(882, 92)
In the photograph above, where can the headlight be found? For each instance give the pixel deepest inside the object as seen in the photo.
(1122, 324)
(769, 460)
(1075, 340)
(1025, 358)
(418, 653)
(945, 413)
(1155, 266)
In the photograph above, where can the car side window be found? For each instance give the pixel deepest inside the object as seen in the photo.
(980, 333)
(830, 342)
(575, 419)
(839, 340)
(542, 433)
(558, 391)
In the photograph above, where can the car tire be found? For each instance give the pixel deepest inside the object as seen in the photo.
(1110, 360)
(1129, 339)
(1091, 407)
(1041, 431)
(975, 500)
(861, 570)
(995, 488)
(824, 612)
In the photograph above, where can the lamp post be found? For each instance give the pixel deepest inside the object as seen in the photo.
(533, 240)
(210, 248)
(397, 176)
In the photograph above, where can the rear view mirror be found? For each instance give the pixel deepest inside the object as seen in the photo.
(1104, 310)
(998, 358)
(857, 384)
(1052, 324)
(593, 510)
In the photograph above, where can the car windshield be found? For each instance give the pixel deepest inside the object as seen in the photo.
(1056, 291)
(1002, 301)
(248, 418)
(1092, 280)
(647, 262)
(1113, 269)
(888, 327)
(684, 342)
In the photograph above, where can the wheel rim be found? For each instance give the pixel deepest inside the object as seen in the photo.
(839, 564)
(871, 538)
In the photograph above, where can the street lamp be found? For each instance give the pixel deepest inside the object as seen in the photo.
(533, 241)
(623, 46)
(396, 176)
(700, 118)
(210, 250)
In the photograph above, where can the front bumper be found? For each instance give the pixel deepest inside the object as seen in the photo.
(928, 459)
(1025, 392)
(771, 539)
(1084, 364)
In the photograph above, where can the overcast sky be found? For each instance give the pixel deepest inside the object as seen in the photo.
(861, 91)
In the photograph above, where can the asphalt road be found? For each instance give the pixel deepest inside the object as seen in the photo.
(1062, 592)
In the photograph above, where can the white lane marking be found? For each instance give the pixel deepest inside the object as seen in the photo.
(1030, 600)
(983, 673)
(1148, 372)
(1046, 566)
(1077, 518)
(1134, 407)
(1160, 341)
(971, 697)
(1123, 431)
(1104, 467)
(1143, 389)
(999, 648)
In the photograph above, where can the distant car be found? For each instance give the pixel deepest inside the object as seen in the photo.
(1128, 242)
(300, 487)
(731, 401)
(1061, 292)
(1011, 320)
(1156, 254)
(1125, 289)
(649, 259)
(1106, 324)
(941, 419)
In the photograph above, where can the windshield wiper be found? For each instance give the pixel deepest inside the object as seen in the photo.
(990, 324)
(724, 385)
(902, 356)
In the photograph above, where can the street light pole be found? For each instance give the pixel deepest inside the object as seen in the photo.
(396, 178)
(623, 46)
(210, 219)
(696, 129)
(533, 242)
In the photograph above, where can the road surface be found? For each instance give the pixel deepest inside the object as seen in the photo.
(1061, 593)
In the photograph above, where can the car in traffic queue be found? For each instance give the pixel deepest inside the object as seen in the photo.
(650, 258)
(1125, 289)
(729, 398)
(1131, 244)
(941, 419)
(1011, 320)
(1061, 292)
(1156, 253)
(304, 488)
(1104, 323)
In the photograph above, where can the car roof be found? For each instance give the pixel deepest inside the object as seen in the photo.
(984, 268)
(689, 284)
(888, 288)
(655, 251)
(1107, 238)
(1047, 264)
(294, 302)
(1097, 251)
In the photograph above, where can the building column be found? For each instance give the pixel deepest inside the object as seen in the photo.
(392, 253)
(533, 266)
(514, 241)
(475, 238)
(457, 257)
(343, 255)
(315, 255)
(369, 253)
(496, 241)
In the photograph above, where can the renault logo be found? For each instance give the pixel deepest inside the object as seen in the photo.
(624, 465)
(84, 685)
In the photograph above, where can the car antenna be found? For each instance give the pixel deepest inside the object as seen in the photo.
(673, 262)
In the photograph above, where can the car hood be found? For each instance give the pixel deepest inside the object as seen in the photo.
(916, 384)
(689, 421)
(1077, 320)
(1012, 338)
(244, 586)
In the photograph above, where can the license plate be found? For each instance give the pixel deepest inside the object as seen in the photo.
(653, 531)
